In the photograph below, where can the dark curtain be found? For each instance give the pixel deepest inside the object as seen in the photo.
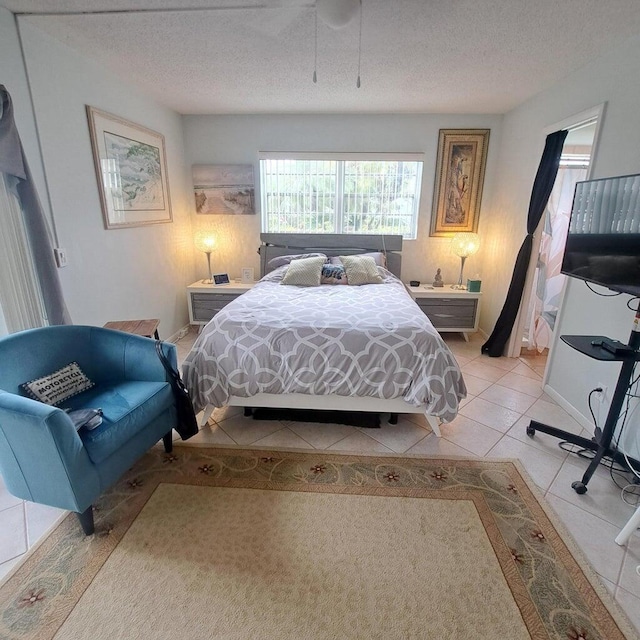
(542, 187)
(14, 163)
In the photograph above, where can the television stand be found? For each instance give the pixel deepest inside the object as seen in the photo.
(606, 350)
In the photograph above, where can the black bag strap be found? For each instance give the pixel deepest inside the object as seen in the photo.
(187, 424)
(174, 376)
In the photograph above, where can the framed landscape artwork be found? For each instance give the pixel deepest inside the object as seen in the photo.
(224, 188)
(131, 169)
(460, 166)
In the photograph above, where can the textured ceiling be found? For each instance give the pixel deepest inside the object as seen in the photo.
(425, 56)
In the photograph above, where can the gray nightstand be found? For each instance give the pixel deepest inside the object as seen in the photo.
(449, 309)
(205, 300)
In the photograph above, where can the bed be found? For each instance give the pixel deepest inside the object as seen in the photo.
(352, 348)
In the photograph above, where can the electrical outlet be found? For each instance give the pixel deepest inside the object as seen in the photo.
(602, 395)
(61, 257)
(603, 400)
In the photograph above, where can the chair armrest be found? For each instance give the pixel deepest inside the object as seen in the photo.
(142, 362)
(42, 457)
(124, 356)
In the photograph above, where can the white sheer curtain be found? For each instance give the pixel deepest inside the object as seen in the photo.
(545, 300)
(20, 298)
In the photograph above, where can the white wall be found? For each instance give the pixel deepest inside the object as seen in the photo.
(238, 139)
(118, 274)
(615, 79)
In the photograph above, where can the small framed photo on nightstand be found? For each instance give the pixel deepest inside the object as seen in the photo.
(247, 275)
(220, 278)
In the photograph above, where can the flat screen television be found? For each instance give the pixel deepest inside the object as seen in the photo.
(603, 241)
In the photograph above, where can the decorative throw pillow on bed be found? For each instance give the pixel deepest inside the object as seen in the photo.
(361, 270)
(279, 261)
(378, 257)
(59, 385)
(333, 274)
(305, 272)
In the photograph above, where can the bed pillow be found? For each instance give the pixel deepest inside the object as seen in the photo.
(279, 261)
(305, 272)
(378, 257)
(333, 274)
(58, 386)
(361, 270)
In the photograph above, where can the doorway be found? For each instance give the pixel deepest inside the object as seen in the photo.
(544, 287)
(548, 283)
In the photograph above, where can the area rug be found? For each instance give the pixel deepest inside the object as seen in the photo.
(221, 543)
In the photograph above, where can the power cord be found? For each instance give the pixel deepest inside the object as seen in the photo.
(633, 488)
(609, 462)
(604, 295)
(588, 454)
(631, 393)
(630, 300)
(630, 488)
(593, 415)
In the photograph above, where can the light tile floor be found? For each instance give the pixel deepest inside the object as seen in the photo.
(504, 394)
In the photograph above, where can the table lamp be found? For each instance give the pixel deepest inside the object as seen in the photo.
(464, 245)
(205, 241)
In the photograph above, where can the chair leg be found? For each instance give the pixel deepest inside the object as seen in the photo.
(167, 439)
(86, 521)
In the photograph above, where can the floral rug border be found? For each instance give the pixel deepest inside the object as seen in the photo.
(40, 593)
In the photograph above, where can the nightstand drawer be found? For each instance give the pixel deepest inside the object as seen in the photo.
(445, 313)
(206, 299)
(206, 305)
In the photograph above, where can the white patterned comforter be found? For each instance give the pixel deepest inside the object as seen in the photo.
(366, 341)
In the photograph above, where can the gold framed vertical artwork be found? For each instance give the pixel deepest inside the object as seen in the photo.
(131, 169)
(460, 167)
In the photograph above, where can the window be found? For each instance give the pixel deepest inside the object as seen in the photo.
(340, 193)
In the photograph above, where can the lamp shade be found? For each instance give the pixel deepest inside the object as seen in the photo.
(204, 240)
(465, 244)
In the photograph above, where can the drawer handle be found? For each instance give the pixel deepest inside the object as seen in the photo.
(444, 315)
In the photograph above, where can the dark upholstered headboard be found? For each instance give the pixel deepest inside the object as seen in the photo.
(333, 244)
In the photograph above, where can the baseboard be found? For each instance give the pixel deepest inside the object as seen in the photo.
(582, 420)
(484, 334)
(525, 352)
(181, 333)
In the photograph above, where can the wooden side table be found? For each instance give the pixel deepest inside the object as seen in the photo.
(146, 328)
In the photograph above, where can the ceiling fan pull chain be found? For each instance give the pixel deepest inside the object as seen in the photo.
(359, 47)
(315, 59)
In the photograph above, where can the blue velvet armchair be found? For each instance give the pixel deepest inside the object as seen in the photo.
(42, 456)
